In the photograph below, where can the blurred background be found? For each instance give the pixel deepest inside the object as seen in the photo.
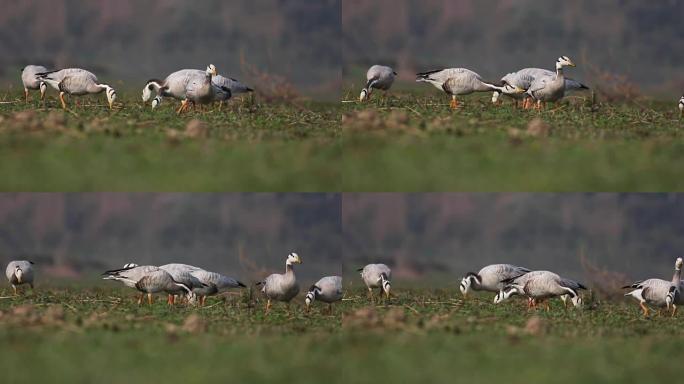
(242, 235)
(626, 47)
(294, 43)
(602, 239)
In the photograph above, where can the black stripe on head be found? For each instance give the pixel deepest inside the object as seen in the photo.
(383, 275)
(154, 81)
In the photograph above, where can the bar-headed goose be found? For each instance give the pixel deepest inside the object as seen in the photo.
(215, 283)
(524, 78)
(225, 88)
(32, 82)
(461, 81)
(176, 83)
(77, 82)
(540, 286)
(490, 278)
(656, 292)
(328, 290)
(551, 87)
(147, 279)
(377, 276)
(378, 77)
(19, 272)
(200, 89)
(182, 274)
(282, 287)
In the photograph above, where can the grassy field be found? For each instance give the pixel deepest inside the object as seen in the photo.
(410, 140)
(247, 146)
(81, 335)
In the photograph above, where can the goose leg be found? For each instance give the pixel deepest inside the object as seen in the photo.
(26, 95)
(140, 298)
(61, 98)
(548, 307)
(370, 294)
(15, 289)
(149, 298)
(268, 306)
(674, 310)
(168, 299)
(330, 309)
(182, 107)
(454, 103)
(644, 308)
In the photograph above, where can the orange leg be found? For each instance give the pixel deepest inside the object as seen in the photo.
(149, 298)
(26, 95)
(184, 104)
(140, 298)
(454, 103)
(61, 98)
(644, 308)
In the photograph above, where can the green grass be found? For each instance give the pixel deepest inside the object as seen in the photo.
(412, 141)
(248, 145)
(87, 334)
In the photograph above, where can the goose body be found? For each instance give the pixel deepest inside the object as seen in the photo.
(461, 81)
(282, 287)
(490, 278)
(180, 273)
(147, 279)
(656, 292)
(77, 82)
(328, 290)
(541, 285)
(550, 87)
(225, 88)
(526, 76)
(378, 77)
(377, 276)
(32, 82)
(19, 272)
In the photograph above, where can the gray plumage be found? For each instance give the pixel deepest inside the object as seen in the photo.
(282, 287)
(225, 88)
(542, 285)
(462, 81)
(328, 290)
(147, 279)
(490, 278)
(377, 276)
(77, 82)
(200, 89)
(550, 87)
(524, 78)
(378, 77)
(31, 82)
(19, 272)
(655, 292)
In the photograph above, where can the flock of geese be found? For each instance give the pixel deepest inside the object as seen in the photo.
(193, 284)
(533, 86)
(190, 86)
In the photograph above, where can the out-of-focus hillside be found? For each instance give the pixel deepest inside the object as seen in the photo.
(134, 40)
(636, 39)
(639, 235)
(245, 234)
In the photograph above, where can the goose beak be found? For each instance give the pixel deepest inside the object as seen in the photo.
(571, 64)
(111, 104)
(519, 90)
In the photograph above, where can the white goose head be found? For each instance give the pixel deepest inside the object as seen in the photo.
(311, 296)
(293, 258)
(211, 70)
(506, 293)
(156, 101)
(564, 61)
(130, 265)
(111, 95)
(18, 273)
(681, 104)
(670, 298)
(386, 284)
(678, 263)
(364, 95)
(468, 281)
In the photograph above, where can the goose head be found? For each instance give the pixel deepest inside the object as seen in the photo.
(681, 104)
(468, 281)
(505, 293)
(293, 258)
(156, 101)
(130, 265)
(364, 95)
(386, 284)
(18, 273)
(512, 89)
(577, 301)
(495, 96)
(211, 70)
(111, 95)
(43, 88)
(564, 61)
(311, 296)
(670, 298)
(678, 263)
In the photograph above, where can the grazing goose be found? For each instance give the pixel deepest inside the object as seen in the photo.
(550, 87)
(225, 88)
(542, 285)
(282, 287)
(377, 276)
(378, 77)
(77, 82)
(19, 272)
(200, 89)
(148, 280)
(490, 278)
(215, 283)
(31, 81)
(182, 274)
(681, 106)
(522, 280)
(657, 292)
(327, 290)
(461, 81)
(524, 78)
